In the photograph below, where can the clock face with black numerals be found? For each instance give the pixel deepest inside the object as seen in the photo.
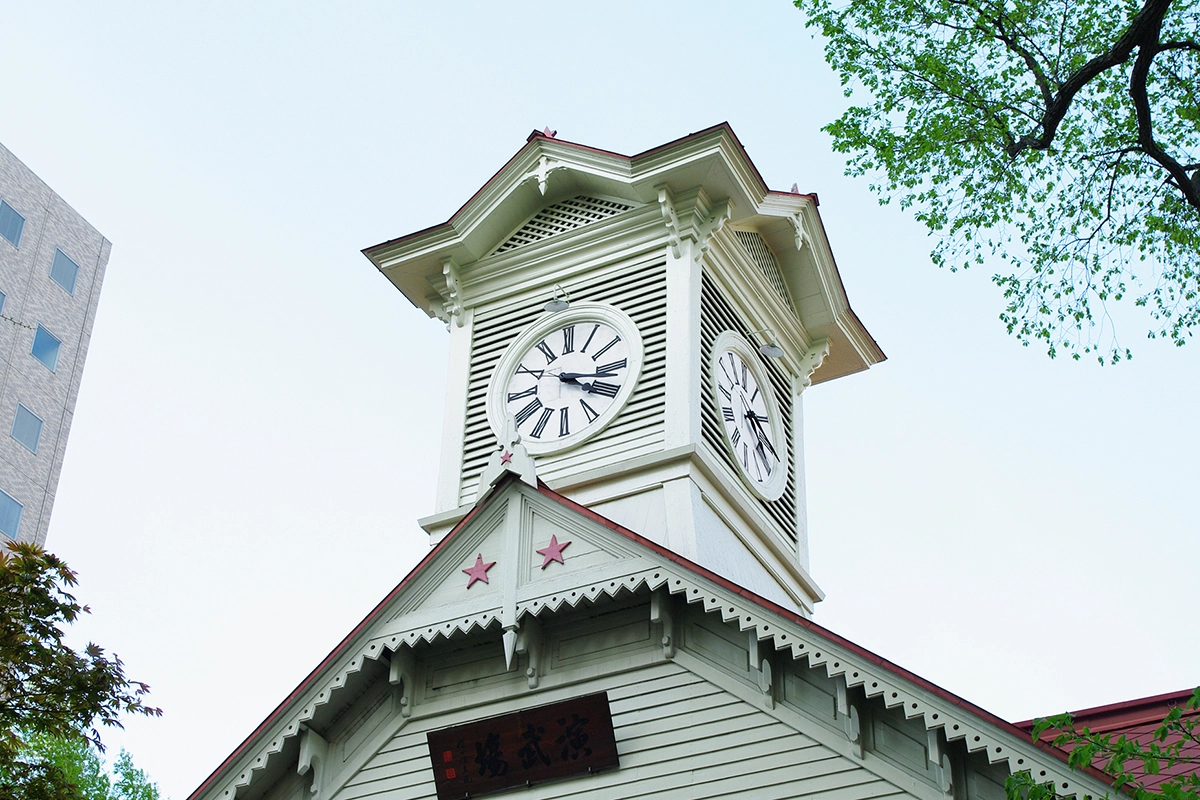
(749, 415)
(566, 377)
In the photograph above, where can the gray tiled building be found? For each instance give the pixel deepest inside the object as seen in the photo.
(51, 267)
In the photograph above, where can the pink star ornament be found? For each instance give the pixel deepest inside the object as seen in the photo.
(552, 551)
(479, 571)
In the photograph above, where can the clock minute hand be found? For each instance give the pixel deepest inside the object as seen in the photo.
(762, 436)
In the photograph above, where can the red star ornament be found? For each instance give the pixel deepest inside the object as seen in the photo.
(479, 571)
(506, 458)
(552, 551)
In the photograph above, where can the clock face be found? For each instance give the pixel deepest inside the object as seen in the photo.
(567, 376)
(750, 417)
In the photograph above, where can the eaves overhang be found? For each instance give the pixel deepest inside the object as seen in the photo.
(435, 266)
(663, 571)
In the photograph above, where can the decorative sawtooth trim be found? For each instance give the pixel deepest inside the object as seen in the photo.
(650, 578)
(818, 652)
(876, 683)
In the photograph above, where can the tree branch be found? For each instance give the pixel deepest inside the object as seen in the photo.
(1141, 103)
(1148, 20)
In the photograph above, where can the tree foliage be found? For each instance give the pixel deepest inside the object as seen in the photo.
(47, 689)
(85, 769)
(1172, 749)
(1060, 137)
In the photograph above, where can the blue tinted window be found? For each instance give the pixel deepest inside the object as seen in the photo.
(10, 514)
(27, 427)
(45, 348)
(3, 297)
(64, 270)
(11, 224)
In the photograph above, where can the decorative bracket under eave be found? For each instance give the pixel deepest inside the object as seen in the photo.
(849, 714)
(811, 361)
(452, 305)
(529, 644)
(700, 233)
(541, 173)
(940, 760)
(314, 754)
(660, 614)
(402, 672)
(800, 231)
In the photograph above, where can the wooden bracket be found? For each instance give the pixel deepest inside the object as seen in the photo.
(402, 673)
(660, 614)
(802, 237)
(541, 173)
(940, 760)
(812, 359)
(712, 227)
(851, 725)
(761, 667)
(529, 644)
(452, 307)
(314, 756)
(670, 218)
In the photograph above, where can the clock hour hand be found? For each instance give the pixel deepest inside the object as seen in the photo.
(573, 377)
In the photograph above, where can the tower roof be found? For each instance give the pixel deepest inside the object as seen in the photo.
(548, 170)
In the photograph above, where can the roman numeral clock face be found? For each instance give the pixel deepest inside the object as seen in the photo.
(750, 416)
(566, 377)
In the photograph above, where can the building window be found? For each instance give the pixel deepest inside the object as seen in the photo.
(11, 224)
(27, 428)
(3, 297)
(64, 271)
(45, 348)
(10, 514)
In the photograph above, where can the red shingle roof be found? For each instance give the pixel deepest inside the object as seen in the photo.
(1137, 720)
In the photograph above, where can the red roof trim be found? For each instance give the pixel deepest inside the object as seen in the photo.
(1126, 714)
(342, 645)
(812, 626)
(539, 136)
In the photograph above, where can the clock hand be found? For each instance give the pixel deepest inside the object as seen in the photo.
(762, 436)
(572, 377)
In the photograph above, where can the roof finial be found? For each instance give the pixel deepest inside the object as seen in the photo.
(795, 188)
(549, 132)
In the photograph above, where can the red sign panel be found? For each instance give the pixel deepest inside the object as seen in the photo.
(529, 746)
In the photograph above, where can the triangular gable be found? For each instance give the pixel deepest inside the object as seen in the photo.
(371, 678)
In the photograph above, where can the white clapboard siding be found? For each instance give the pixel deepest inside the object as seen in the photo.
(678, 736)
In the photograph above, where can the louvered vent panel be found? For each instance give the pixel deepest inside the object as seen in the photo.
(761, 255)
(562, 217)
(637, 288)
(717, 315)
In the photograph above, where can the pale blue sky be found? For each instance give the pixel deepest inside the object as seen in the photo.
(254, 436)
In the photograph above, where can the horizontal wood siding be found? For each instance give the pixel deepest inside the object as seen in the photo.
(678, 737)
(638, 288)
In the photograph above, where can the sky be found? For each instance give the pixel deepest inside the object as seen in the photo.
(260, 414)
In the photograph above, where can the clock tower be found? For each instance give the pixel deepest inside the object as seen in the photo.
(649, 324)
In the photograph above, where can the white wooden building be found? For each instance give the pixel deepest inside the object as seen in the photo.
(620, 520)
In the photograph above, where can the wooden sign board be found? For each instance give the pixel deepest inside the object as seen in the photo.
(529, 746)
